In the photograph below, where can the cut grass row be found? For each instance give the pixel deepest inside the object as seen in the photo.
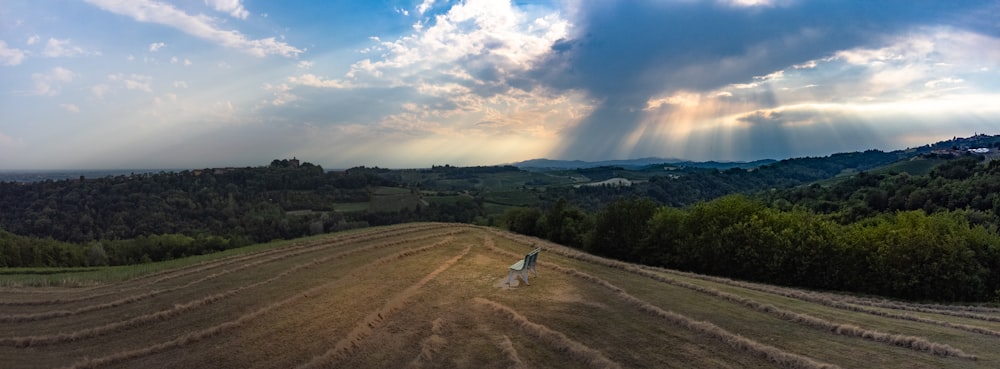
(771, 353)
(915, 343)
(202, 334)
(139, 297)
(170, 274)
(180, 308)
(363, 329)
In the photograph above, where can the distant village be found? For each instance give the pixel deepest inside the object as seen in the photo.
(970, 146)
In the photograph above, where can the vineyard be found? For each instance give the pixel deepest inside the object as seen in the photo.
(429, 295)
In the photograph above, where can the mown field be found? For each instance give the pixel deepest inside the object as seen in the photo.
(432, 295)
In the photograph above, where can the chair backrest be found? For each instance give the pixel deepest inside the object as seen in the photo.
(529, 260)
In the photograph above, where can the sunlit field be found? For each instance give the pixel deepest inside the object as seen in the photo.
(434, 295)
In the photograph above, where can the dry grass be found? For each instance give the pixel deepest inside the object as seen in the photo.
(427, 296)
(550, 337)
(364, 328)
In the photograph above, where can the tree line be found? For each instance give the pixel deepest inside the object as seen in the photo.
(908, 254)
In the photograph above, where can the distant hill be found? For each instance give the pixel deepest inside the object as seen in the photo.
(550, 164)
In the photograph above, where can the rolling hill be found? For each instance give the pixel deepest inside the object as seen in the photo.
(430, 295)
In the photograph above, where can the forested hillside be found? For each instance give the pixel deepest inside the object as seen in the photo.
(919, 223)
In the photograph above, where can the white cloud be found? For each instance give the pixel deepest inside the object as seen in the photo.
(33, 39)
(233, 7)
(174, 60)
(72, 108)
(10, 56)
(476, 34)
(282, 94)
(100, 90)
(55, 48)
(305, 64)
(156, 46)
(200, 26)
(134, 81)
(180, 84)
(312, 80)
(187, 63)
(943, 81)
(424, 6)
(50, 84)
(453, 79)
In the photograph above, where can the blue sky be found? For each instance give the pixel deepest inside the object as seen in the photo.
(202, 83)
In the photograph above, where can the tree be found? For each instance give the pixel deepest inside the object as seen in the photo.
(96, 255)
(621, 228)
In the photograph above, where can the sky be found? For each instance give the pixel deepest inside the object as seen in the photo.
(112, 84)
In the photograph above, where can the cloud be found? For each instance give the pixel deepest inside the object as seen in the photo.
(424, 6)
(10, 56)
(55, 48)
(180, 84)
(156, 46)
(305, 64)
(312, 80)
(134, 81)
(49, 84)
(233, 7)
(281, 92)
(72, 108)
(200, 26)
(757, 55)
(33, 39)
(943, 81)
(100, 90)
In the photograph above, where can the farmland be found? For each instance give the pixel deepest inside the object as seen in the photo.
(432, 295)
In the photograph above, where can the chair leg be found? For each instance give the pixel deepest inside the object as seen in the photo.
(524, 276)
(510, 273)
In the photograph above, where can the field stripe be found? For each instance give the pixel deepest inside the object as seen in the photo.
(430, 346)
(196, 336)
(510, 353)
(785, 292)
(835, 303)
(771, 353)
(920, 344)
(200, 267)
(551, 337)
(365, 327)
(177, 309)
(135, 298)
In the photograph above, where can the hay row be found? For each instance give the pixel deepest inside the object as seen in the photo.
(548, 336)
(430, 346)
(813, 297)
(969, 312)
(176, 310)
(135, 298)
(510, 353)
(906, 341)
(180, 272)
(770, 353)
(366, 326)
(920, 344)
(836, 303)
(197, 336)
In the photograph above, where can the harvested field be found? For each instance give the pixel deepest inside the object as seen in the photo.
(431, 295)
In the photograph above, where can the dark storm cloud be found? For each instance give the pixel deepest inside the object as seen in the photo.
(627, 52)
